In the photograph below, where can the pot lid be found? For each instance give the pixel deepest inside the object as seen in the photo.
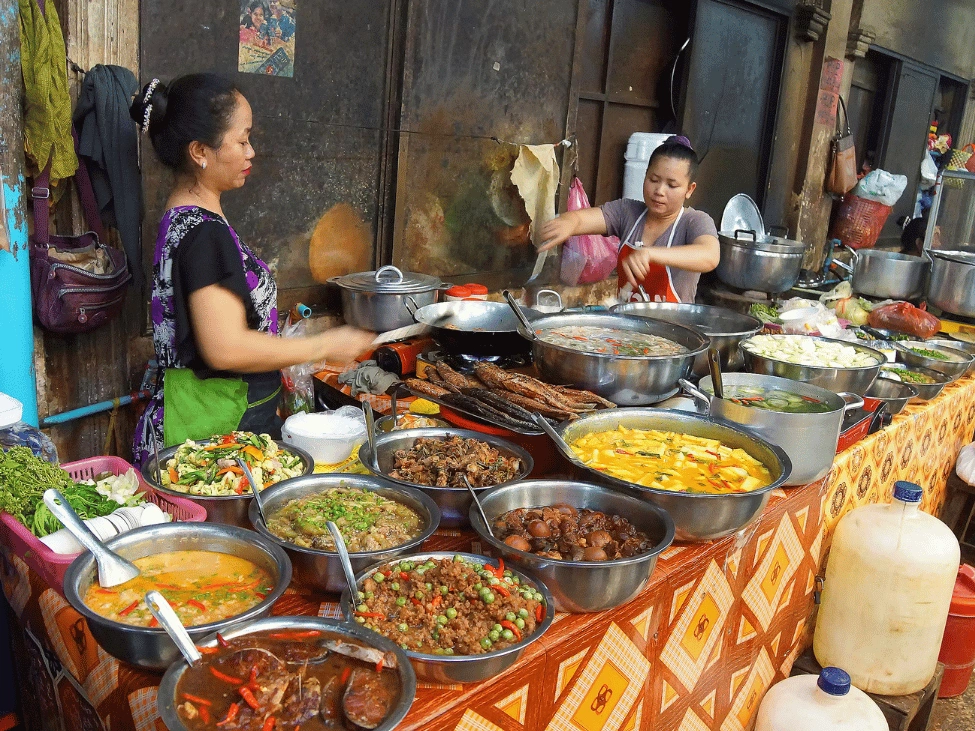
(962, 257)
(742, 214)
(388, 280)
(963, 597)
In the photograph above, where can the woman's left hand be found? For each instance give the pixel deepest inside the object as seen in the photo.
(636, 266)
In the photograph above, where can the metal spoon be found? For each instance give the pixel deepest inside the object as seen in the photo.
(371, 433)
(168, 620)
(112, 568)
(714, 363)
(477, 502)
(257, 493)
(343, 553)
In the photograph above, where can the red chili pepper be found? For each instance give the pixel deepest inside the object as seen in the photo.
(128, 609)
(196, 699)
(539, 612)
(153, 622)
(501, 590)
(415, 600)
(387, 573)
(222, 641)
(207, 650)
(224, 677)
(403, 575)
(370, 615)
(198, 604)
(500, 571)
(436, 601)
(346, 672)
(379, 665)
(513, 627)
(269, 723)
(260, 596)
(204, 715)
(231, 714)
(297, 635)
(249, 698)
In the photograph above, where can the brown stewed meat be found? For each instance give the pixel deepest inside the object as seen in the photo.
(445, 462)
(564, 533)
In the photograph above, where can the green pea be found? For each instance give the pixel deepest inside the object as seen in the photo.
(486, 643)
(367, 625)
(428, 586)
(442, 619)
(369, 595)
(451, 613)
(429, 564)
(483, 590)
(510, 616)
(362, 608)
(394, 585)
(515, 580)
(437, 651)
(507, 574)
(360, 595)
(400, 601)
(404, 646)
(421, 571)
(458, 558)
(508, 581)
(494, 581)
(520, 623)
(497, 628)
(489, 598)
(449, 651)
(494, 636)
(378, 578)
(523, 613)
(403, 627)
(444, 590)
(508, 634)
(418, 594)
(478, 588)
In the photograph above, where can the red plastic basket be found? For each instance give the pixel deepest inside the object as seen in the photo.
(859, 221)
(52, 566)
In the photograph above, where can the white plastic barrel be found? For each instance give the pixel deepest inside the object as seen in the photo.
(824, 703)
(889, 583)
(636, 158)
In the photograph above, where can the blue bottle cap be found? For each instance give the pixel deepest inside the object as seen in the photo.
(834, 681)
(908, 492)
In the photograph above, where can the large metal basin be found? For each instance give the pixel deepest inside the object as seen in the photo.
(758, 265)
(725, 328)
(454, 502)
(580, 586)
(322, 570)
(166, 700)
(809, 439)
(697, 516)
(150, 647)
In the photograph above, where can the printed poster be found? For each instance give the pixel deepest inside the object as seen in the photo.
(267, 37)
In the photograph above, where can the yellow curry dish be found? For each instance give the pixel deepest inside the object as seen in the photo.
(202, 586)
(671, 461)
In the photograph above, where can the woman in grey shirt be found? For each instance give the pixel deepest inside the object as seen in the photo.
(683, 241)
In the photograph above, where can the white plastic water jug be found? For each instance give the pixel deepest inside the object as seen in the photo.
(824, 703)
(636, 158)
(888, 587)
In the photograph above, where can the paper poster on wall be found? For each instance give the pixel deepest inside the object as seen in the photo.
(267, 37)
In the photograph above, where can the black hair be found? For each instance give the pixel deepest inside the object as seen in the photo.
(193, 108)
(245, 18)
(677, 148)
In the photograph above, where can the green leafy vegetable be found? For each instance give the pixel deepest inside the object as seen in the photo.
(764, 312)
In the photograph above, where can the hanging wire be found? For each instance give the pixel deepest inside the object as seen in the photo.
(76, 68)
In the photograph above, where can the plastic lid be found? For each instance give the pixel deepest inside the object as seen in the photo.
(908, 492)
(388, 280)
(963, 597)
(459, 290)
(834, 681)
(11, 411)
(477, 288)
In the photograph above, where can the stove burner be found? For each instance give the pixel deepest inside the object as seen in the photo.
(465, 363)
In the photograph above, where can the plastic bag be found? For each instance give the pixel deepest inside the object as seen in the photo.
(905, 318)
(296, 380)
(804, 317)
(881, 187)
(588, 258)
(929, 172)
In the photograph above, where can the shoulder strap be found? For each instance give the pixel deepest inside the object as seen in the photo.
(846, 117)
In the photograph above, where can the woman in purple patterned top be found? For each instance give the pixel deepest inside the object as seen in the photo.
(214, 302)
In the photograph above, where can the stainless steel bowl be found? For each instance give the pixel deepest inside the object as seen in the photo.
(627, 380)
(837, 380)
(957, 366)
(894, 393)
(150, 647)
(454, 502)
(957, 345)
(760, 266)
(697, 517)
(465, 668)
(166, 701)
(228, 509)
(925, 391)
(322, 570)
(725, 328)
(580, 586)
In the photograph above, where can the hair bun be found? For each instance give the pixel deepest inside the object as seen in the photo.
(679, 140)
(149, 105)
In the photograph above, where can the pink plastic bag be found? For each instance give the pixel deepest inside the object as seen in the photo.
(588, 258)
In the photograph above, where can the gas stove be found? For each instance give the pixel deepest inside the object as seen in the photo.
(466, 363)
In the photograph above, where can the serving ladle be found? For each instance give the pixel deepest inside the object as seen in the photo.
(343, 553)
(169, 621)
(477, 502)
(112, 568)
(250, 481)
(714, 364)
(371, 432)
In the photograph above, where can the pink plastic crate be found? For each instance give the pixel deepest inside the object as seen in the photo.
(52, 566)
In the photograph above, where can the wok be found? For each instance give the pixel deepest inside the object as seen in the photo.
(473, 327)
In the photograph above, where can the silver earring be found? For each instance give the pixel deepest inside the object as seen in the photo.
(203, 164)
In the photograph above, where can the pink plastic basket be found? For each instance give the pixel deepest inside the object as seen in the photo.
(52, 566)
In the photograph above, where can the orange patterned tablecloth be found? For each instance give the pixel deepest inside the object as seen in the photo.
(696, 651)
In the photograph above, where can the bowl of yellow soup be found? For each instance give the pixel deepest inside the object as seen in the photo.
(711, 477)
(213, 575)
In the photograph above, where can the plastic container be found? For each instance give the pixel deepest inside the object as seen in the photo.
(824, 703)
(14, 432)
(636, 159)
(889, 583)
(328, 437)
(958, 645)
(52, 566)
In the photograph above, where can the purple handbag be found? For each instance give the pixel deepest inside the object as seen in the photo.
(77, 282)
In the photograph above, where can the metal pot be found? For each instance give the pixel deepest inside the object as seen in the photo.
(809, 439)
(952, 283)
(473, 327)
(377, 300)
(322, 570)
(886, 274)
(726, 328)
(580, 586)
(770, 265)
(166, 701)
(150, 647)
(627, 380)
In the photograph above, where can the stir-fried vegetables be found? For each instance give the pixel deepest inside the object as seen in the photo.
(671, 461)
(211, 468)
(804, 350)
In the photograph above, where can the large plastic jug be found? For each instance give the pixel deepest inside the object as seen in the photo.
(826, 703)
(889, 583)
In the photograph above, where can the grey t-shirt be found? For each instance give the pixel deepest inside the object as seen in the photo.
(620, 215)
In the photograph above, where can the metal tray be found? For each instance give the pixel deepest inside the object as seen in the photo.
(476, 417)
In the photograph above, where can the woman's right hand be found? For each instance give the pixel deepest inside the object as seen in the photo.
(342, 345)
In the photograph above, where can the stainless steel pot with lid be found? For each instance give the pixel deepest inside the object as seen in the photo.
(750, 257)
(377, 300)
(952, 283)
(886, 274)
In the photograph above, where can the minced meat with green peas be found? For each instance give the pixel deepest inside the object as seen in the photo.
(449, 606)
